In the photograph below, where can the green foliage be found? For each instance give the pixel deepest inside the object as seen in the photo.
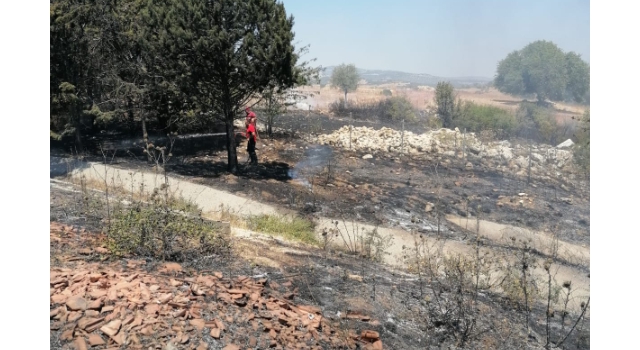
(226, 53)
(181, 63)
(509, 77)
(295, 228)
(398, 108)
(445, 103)
(161, 230)
(578, 79)
(582, 150)
(345, 77)
(84, 49)
(387, 92)
(543, 69)
(537, 123)
(476, 118)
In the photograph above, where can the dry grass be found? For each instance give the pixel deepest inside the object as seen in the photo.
(422, 98)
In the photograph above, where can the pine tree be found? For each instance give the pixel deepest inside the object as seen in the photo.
(228, 52)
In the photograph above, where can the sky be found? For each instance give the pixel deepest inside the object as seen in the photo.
(447, 38)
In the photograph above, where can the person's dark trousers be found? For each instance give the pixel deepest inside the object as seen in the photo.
(251, 148)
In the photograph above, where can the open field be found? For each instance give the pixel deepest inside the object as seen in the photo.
(422, 98)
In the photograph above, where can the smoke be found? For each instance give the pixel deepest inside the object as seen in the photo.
(314, 160)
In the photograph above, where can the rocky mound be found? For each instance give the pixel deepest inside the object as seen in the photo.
(501, 155)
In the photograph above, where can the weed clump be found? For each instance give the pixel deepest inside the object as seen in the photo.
(297, 229)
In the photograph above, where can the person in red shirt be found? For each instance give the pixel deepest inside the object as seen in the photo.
(251, 144)
(250, 118)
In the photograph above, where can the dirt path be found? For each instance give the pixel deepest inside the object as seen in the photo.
(541, 241)
(212, 201)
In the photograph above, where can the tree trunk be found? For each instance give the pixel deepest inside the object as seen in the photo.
(232, 157)
(345, 97)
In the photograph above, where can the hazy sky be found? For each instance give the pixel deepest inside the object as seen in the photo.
(444, 37)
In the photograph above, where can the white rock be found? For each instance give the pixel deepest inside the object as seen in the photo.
(367, 156)
(566, 144)
(506, 153)
(537, 157)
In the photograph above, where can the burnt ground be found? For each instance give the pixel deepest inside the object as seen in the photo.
(387, 190)
(377, 299)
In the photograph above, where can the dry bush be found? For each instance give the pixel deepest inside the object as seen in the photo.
(359, 241)
(454, 281)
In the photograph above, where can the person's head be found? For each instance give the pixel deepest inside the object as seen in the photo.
(247, 110)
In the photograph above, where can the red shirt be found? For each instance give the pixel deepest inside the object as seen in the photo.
(251, 129)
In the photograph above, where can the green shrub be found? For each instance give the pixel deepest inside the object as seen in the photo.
(387, 92)
(537, 123)
(159, 230)
(476, 118)
(396, 109)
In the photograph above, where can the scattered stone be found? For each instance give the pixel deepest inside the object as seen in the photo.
(367, 156)
(112, 328)
(101, 250)
(377, 345)
(197, 323)
(85, 251)
(171, 267)
(170, 346)
(429, 207)
(80, 343)
(94, 305)
(566, 144)
(76, 303)
(95, 340)
(356, 278)
(74, 316)
(215, 333)
(370, 335)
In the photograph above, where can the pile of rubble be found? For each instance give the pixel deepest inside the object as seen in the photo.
(111, 306)
(501, 154)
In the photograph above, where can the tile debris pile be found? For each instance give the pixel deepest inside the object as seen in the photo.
(111, 306)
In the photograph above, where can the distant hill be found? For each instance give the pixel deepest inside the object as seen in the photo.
(374, 76)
